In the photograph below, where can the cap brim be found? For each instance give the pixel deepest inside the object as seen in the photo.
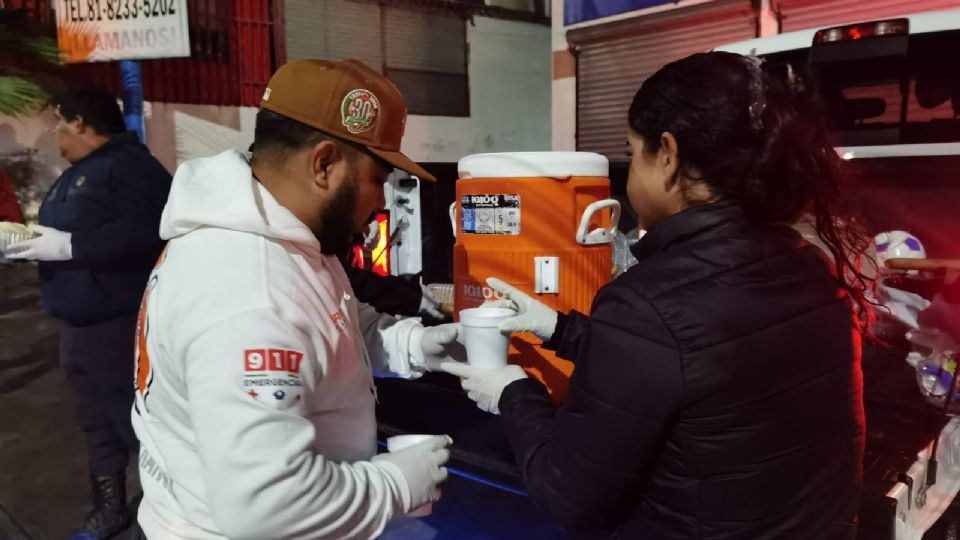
(403, 163)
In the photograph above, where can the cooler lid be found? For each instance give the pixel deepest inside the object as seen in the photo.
(533, 165)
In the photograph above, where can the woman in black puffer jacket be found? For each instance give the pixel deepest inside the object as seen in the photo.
(717, 391)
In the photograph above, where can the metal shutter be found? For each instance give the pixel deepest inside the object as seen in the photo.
(426, 57)
(801, 14)
(333, 30)
(425, 41)
(613, 61)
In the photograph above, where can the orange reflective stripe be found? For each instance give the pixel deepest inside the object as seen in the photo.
(142, 359)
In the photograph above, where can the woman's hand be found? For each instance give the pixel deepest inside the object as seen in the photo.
(532, 315)
(484, 385)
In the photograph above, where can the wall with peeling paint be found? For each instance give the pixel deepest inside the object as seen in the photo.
(30, 158)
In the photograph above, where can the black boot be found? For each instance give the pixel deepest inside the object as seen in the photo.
(110, 514)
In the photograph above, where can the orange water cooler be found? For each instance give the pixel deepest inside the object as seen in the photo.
(542, 222)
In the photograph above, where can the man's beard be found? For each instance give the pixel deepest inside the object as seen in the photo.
(336, 226)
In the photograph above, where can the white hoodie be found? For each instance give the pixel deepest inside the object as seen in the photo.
(255, 395)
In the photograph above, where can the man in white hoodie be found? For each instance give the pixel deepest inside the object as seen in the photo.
(254, 383)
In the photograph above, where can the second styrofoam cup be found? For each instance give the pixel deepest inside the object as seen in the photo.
(486, 346)
(399, 442)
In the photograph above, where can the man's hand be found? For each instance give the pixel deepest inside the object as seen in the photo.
(422, 468)
(438, 344)
(484, 385)
(51, 245)
(429, 304)
(532, 315)
(942, 315)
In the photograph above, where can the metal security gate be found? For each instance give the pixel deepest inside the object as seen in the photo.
(333, 30)
(424, 52)
(426, 57)
(613, 60)
(802, 14)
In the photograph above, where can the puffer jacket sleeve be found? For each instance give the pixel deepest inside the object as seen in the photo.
(585, 463)
(567, 337)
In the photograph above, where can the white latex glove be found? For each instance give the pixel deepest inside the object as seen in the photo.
(532, 315)
(484, 385)
(421, 467)
(438, 344)
(51, 245)
(429, 304)
(904, 306)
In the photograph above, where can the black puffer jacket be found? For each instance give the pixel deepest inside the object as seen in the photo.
(717, 393)
(111, 202)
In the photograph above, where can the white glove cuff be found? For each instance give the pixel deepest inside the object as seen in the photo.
(415, 358)
(551, 326)
(397, 481)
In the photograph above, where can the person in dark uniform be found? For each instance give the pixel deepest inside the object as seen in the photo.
(393, 295)
(98, 240)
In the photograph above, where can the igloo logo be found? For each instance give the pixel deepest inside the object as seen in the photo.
(479, 292)
(484, 199)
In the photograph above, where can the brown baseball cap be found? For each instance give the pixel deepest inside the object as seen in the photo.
(347, 100)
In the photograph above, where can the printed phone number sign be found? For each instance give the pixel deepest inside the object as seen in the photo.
(102, 30)
(490, 214)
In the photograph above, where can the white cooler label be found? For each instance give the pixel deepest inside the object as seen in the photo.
(490, 214)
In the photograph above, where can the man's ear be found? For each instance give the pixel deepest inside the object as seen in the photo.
(78, 125)
(323, 156)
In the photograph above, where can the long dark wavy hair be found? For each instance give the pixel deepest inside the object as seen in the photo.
(756, 134)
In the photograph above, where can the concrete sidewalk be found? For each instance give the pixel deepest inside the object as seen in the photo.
(43, 473)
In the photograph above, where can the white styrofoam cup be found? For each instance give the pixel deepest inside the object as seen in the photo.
(486, 346)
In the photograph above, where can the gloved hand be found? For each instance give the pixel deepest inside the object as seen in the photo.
(944, 316)
(532, 315)
(904, 306)
(51, 245)
(429, 304)
(484, 385)
(421, 468)
(438, 344)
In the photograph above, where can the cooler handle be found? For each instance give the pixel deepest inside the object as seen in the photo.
(598, 236)
(453, 217)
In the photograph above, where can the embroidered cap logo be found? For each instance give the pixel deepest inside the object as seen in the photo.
(359, 111)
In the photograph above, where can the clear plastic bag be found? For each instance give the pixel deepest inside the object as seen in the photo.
(442, 294)
(937, 369)
(10, 234)
(623, 258)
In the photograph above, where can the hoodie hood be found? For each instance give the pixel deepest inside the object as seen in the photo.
(221, 192)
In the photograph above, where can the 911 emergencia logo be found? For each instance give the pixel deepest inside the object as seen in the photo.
(272, 360)
(273, 375)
